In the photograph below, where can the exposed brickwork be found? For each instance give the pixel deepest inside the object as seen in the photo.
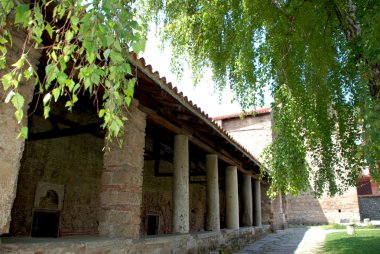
(122, 178)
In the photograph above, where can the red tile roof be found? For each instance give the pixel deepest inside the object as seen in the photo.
(259, 111)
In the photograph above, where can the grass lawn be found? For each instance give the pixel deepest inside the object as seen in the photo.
(364, 241)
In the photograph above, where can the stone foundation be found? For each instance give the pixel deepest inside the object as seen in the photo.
(227, 240)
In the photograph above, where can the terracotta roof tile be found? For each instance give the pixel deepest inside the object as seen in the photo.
(259, 111)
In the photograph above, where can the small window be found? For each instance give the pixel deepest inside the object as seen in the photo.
(153, 221)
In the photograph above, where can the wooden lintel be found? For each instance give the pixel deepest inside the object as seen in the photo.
(159, 120)
(77, 130)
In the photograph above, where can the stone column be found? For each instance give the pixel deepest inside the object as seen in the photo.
(232, 198)
(121, 192)
(181, 185)
(247, 201)
(213, 220)
(257, 203)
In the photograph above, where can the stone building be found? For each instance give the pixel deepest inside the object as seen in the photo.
(255, 133)
(178, 184)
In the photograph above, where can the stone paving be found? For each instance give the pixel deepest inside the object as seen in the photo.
(291, 240)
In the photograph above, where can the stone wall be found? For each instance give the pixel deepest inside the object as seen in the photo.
(197, 207)
(157, 199)
(122, 180)
(11, 149)
(369, 207)
(74, 161)
(305, 209)
(267, 215)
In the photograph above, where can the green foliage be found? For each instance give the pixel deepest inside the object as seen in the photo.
(87, 52)
(319, 59)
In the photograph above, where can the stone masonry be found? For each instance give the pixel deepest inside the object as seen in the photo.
(11, 149)
(122, 179)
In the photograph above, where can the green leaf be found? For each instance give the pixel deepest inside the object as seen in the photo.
(116, 57)
(23, 133)
(49, 29)
(46, 111)
(74, 20)
(54, 56)
(7, 81)
(70, 84)
(22, 14)
(61, 78)
(69, 35)
(51, 71)
(75, 98)
(69, 105)
(106, 53)
(56, 93)
(18, 101)
(3, 40)
(101, 113)
(139, 46)
(19, 114)
(28, 73)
